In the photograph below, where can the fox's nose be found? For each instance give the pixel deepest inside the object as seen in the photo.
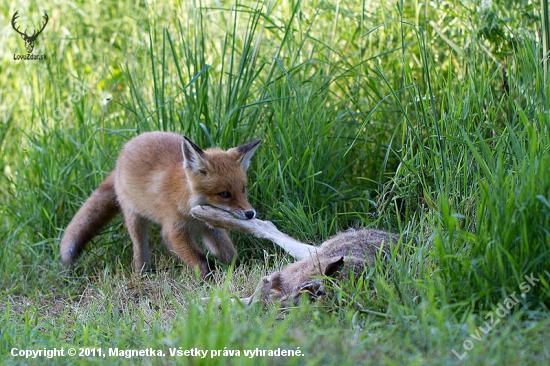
(250, 214)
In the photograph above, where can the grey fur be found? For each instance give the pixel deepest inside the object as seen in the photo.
(352, 249)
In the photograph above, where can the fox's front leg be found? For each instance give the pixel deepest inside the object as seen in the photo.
(220, 245)
(182, 242)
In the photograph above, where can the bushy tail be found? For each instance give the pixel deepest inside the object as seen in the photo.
(100, 208)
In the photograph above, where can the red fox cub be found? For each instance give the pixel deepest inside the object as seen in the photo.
(160, 176)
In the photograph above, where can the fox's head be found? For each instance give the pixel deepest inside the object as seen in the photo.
(218, 178)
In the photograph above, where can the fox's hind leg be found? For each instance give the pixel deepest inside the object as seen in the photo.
(220, 245)
(138, 228)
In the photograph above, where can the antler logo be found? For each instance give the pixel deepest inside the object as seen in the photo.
(29, 40)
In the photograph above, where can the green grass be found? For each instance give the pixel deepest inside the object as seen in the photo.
(426, 119)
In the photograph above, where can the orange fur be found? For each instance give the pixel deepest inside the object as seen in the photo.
(159, 177)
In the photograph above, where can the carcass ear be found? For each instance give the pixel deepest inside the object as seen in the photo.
(334, 266)
(271, 282)
(245, 153)
(193, 156)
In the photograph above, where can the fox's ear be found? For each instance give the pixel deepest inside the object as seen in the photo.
(245, 153)
(193, 158)
(334, 267)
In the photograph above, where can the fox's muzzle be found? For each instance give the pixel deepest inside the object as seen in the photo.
(250, 214)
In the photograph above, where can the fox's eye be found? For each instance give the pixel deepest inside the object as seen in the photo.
(244, 189)
(224, 194)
